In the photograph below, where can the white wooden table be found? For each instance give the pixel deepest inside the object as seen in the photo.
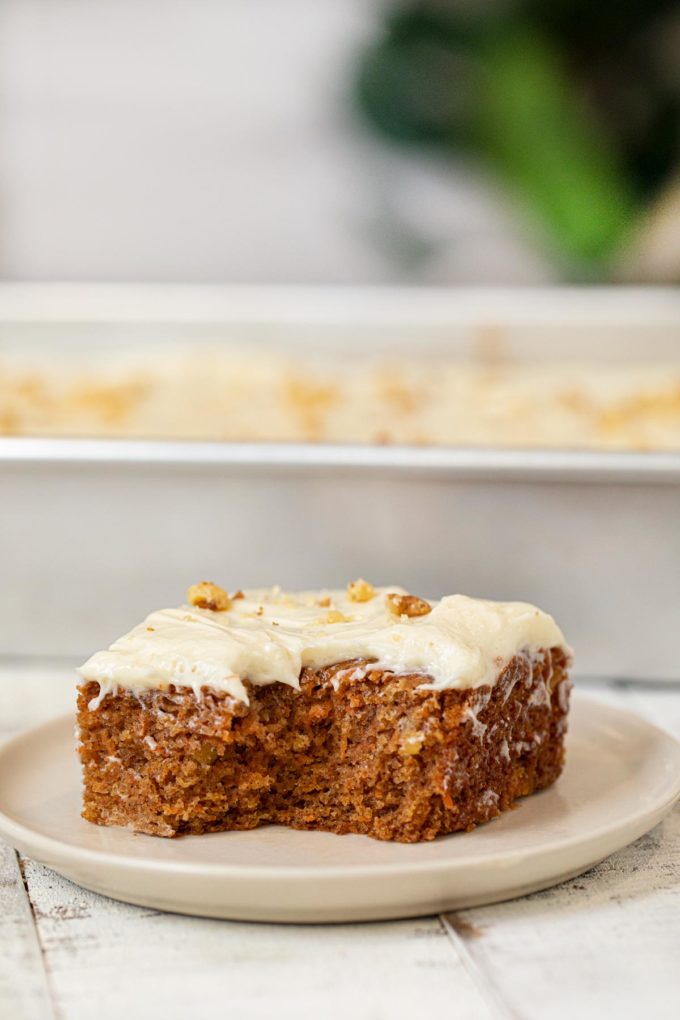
(604, 944)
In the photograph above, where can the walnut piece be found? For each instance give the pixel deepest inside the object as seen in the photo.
(207, 595)
(412, 744)
(335, 616)
(205, 754)
(360, 591)
(407, 605)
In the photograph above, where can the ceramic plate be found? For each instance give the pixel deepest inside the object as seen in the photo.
(622, 776)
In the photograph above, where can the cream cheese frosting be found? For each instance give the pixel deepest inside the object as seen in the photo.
(270, 635)
(249, 393)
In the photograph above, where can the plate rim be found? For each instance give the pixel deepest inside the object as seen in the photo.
(20, 836)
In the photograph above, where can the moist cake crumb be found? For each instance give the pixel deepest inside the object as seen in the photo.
(352, 746)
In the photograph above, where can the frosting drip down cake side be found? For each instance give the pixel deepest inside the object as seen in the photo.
(368, 710)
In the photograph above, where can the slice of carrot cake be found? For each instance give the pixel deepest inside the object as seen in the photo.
(367, 710)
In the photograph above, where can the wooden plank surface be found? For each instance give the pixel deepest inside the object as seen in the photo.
(187, 967)
(602, 943)
(24, 993)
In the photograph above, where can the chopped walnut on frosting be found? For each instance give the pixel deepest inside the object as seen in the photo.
(206, 595)
(335, 616)
(360, 591)
(407, 605)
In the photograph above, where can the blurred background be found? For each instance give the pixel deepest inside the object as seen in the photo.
(362, 141)
(428, 145)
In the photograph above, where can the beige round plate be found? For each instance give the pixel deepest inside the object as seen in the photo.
(622, 776)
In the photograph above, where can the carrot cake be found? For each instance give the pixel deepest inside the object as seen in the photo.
(244, 395)
(368, 710)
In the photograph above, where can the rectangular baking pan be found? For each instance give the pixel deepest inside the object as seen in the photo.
(95, 533)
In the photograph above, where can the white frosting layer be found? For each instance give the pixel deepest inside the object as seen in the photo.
(270, 636)
(248, 392)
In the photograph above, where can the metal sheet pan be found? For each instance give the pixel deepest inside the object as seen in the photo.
(95, 533)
